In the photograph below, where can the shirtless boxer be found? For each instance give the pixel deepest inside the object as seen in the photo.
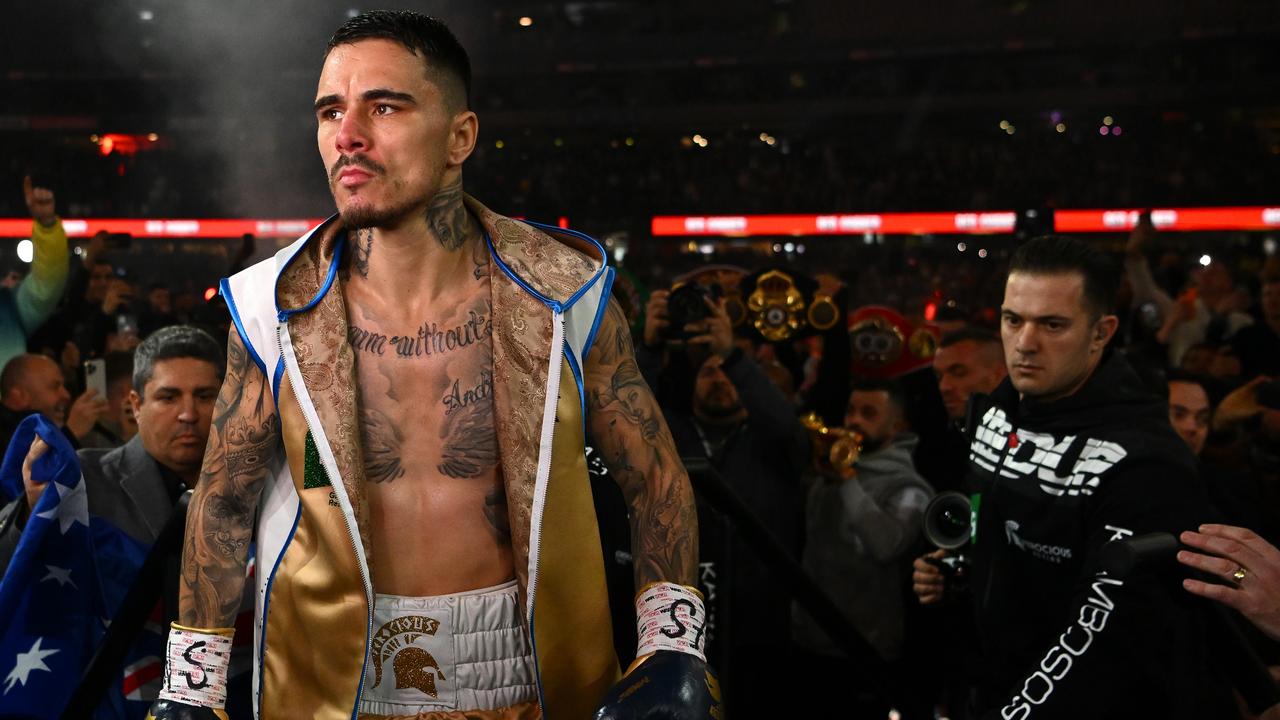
(403, 415)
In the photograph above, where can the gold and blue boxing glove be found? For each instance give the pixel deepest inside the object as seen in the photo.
(195, 675)
(670, 679)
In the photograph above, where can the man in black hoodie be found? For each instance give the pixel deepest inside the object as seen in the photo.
(1068, 453)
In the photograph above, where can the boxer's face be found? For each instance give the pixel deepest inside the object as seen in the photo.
(386, 134)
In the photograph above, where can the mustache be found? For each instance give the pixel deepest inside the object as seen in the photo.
(357, 161)
(185, 429)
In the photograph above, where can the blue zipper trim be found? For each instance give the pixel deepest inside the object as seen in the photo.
(224, 289)
(266, 600)
(604, 258)
(577, 378)
(364, 668)
(279, 377)
(604, 304)
(493, 252)
(338, 249)
(537, 666)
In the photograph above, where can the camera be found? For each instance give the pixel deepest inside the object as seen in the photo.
(687, 304)
(948, 525)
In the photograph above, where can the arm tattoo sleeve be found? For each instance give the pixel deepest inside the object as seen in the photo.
(627, 424)
(242, 436)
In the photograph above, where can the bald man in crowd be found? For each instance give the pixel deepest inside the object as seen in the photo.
(34, 383)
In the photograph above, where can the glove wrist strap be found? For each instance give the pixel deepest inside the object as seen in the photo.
(671, 617)
(196, 664)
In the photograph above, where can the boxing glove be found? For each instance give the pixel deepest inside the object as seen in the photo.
(195, 675)
(670, 679)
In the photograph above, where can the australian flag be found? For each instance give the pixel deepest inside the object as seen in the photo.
(60, 589)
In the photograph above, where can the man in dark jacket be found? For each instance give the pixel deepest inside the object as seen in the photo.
(1069, 453)
(177, 373)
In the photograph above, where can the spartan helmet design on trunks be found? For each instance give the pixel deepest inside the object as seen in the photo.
(412, 665)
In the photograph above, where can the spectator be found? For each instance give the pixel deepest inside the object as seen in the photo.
(860, 534)
(176, 379)
(158, 311)
(1206, 312)
(34, 383)
(1258, 345)
(747, 428)
(1189, 411)
(135, 487)
(1246, 431)
(969, 360)
(86, 287)
(117, 426)
(23, 311)
(112, 326)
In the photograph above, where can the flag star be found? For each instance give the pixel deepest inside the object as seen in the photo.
(73, 506)
(32, 659)
(62, 575)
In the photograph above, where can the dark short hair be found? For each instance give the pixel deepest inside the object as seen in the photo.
(892, 388)
(168, 343)
(1212, 387)
(1061, 255)
(970, 333)
(420, 34)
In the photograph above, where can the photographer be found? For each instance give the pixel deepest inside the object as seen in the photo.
(734, 416)
(1069, 453)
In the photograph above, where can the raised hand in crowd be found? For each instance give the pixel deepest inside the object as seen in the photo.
(715, 331)
(32, 486)
(1249, 564)
(39, 202)
(94, 249)
(655, 317)
(119, 295)
(85, 412)
(927, 579)
(1143, 232)
(1240, 405)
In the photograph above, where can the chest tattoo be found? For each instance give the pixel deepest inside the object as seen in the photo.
(431, 338)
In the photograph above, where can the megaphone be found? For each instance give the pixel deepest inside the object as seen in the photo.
(946, 520)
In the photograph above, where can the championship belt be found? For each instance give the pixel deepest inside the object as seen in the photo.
(886, 345)
(782, 305)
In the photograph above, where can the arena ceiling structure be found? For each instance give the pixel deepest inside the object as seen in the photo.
(206, 105)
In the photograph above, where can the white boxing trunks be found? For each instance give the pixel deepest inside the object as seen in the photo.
(466, 651)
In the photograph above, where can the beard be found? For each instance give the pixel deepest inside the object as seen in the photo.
(364, 215)
(719, 404)
(369, 217)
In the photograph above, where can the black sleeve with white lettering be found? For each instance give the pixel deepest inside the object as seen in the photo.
(1125, 649)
